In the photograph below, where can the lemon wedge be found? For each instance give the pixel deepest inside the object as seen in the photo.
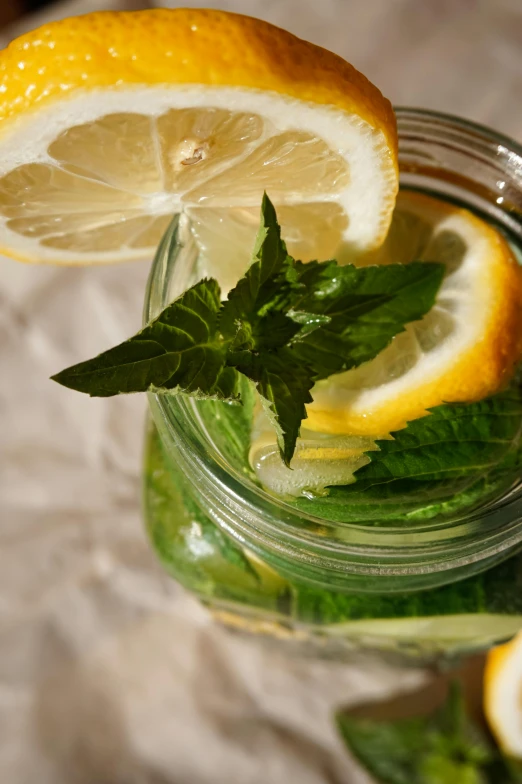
(463, 350)
(503, 695)
(112, 122)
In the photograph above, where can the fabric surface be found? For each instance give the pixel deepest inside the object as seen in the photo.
(109, 672)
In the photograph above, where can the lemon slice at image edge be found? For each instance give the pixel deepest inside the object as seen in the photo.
(503, 695)
(111, 123)
(463, 350)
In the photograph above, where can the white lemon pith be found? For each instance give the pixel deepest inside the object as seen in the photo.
(503, 695)
(187, 110)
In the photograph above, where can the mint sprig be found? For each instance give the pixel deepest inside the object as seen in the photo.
(285, 325)
(442, 747)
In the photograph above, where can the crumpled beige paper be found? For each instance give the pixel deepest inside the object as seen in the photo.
(109, 672)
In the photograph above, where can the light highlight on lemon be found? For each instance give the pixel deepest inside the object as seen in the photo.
(503, 695)
(112, 122)
(463, 350)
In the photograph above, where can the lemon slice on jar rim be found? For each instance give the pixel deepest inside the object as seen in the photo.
(111, 123)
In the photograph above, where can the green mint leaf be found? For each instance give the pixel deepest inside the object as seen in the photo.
(453, 443)
(227, 387)
(361, 308)
(435, 749)
(334, 317)
(284, 385)
(327, 318)
(496, 591)
(430, 469)
(425, 501)
(264, 287)
(229, 426)
(180, 350)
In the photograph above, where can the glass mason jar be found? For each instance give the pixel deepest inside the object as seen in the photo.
(435, 588)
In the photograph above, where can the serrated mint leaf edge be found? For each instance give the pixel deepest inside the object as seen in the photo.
(511, 394)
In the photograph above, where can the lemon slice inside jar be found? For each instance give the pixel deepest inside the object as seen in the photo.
(463, 350)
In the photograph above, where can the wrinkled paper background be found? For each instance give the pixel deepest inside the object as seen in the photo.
(109, 672)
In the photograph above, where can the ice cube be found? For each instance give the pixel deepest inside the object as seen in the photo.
(319, 461)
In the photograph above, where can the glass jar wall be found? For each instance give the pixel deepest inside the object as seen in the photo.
(445, 584)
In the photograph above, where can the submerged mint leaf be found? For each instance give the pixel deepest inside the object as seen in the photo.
(454, 444)
(431, 469)
(228, 386)
(229, 426)
(435, 749)
(177, 525)
(180, 350)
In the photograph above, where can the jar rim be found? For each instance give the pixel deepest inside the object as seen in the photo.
(407, 555)
(435, 117)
